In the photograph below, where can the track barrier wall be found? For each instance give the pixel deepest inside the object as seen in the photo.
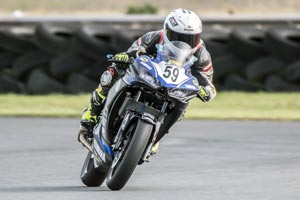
(68, 55)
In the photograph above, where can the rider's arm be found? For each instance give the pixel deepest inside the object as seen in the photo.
(148, 41)
(203, 71)
(202, 68)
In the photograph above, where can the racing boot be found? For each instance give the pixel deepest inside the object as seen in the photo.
(175, 115)
(154, 148)
(91, 113)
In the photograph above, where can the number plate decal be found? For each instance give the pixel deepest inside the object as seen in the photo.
(172, 74)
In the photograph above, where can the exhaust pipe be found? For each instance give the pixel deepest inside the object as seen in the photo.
(85, 143)
(88, 146)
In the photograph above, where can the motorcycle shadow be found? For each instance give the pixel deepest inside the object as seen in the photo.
(33, 189)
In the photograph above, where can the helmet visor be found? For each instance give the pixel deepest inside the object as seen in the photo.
(191, 39)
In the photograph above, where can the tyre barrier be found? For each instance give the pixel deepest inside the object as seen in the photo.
(53, 39)
(261, 68)
(40, 83)
(52, 58)
(29, 61)
(247, 43)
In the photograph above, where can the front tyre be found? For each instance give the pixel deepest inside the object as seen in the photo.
(91, 176)
(119, 174)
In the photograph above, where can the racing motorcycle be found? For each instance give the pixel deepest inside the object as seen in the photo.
(134, 111)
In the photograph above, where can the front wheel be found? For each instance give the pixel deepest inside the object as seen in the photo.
(119, 173)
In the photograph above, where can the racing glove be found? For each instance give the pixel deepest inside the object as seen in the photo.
(121, 57)
(207, 93)
(121, 60)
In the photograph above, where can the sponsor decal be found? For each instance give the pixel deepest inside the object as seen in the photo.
(188, 29)
(190, 87)
(147, 66)
(144, 59)
(173, 21)
(195, 82)
(174, 62)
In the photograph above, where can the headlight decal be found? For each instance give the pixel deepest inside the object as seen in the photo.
(181, 94)
(148, 77)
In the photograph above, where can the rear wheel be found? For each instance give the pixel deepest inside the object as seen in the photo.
(91, 176)
(121, 171)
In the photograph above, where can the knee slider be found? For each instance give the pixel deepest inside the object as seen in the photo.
(96, 100)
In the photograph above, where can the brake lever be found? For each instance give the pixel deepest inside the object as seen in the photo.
(141, 49)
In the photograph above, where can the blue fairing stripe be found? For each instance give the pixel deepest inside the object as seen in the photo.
(105, 147)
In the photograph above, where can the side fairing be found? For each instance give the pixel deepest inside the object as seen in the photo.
(112, 95)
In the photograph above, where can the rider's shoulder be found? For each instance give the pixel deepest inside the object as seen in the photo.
(152, 33)
(202, 43)
(151, 36)
(202, 47)
(202, 53)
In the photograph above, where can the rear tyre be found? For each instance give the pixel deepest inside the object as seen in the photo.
(119, 174)
(91, 176)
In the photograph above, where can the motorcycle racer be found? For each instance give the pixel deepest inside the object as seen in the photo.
(180, 25)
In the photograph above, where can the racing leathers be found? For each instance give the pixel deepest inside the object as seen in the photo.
(202, 69)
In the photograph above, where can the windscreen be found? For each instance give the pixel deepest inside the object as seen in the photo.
(176, 52)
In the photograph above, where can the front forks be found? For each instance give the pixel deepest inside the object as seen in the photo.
(158, 124)
(155, 119)
(118, 139)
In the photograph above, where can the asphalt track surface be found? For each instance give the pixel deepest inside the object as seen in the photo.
(218, 160)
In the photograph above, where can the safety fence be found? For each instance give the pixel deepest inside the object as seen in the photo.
(63, 56)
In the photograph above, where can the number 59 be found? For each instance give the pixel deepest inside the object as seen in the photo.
(171, 72)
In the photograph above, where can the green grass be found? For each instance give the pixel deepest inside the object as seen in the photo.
(227, 105)
(42, 106)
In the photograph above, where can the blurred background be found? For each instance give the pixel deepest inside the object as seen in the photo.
(52, 53)
(101, 7)
(54, 46)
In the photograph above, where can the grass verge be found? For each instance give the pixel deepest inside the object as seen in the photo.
(227, 105)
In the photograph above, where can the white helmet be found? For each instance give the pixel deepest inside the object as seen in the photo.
(183, 25)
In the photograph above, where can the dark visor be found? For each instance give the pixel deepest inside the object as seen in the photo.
(191, 39)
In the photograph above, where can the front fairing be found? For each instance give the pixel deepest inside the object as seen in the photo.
(168, 74)
(171, 66)
(162, 77)
(101, 140)
(169, 70)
